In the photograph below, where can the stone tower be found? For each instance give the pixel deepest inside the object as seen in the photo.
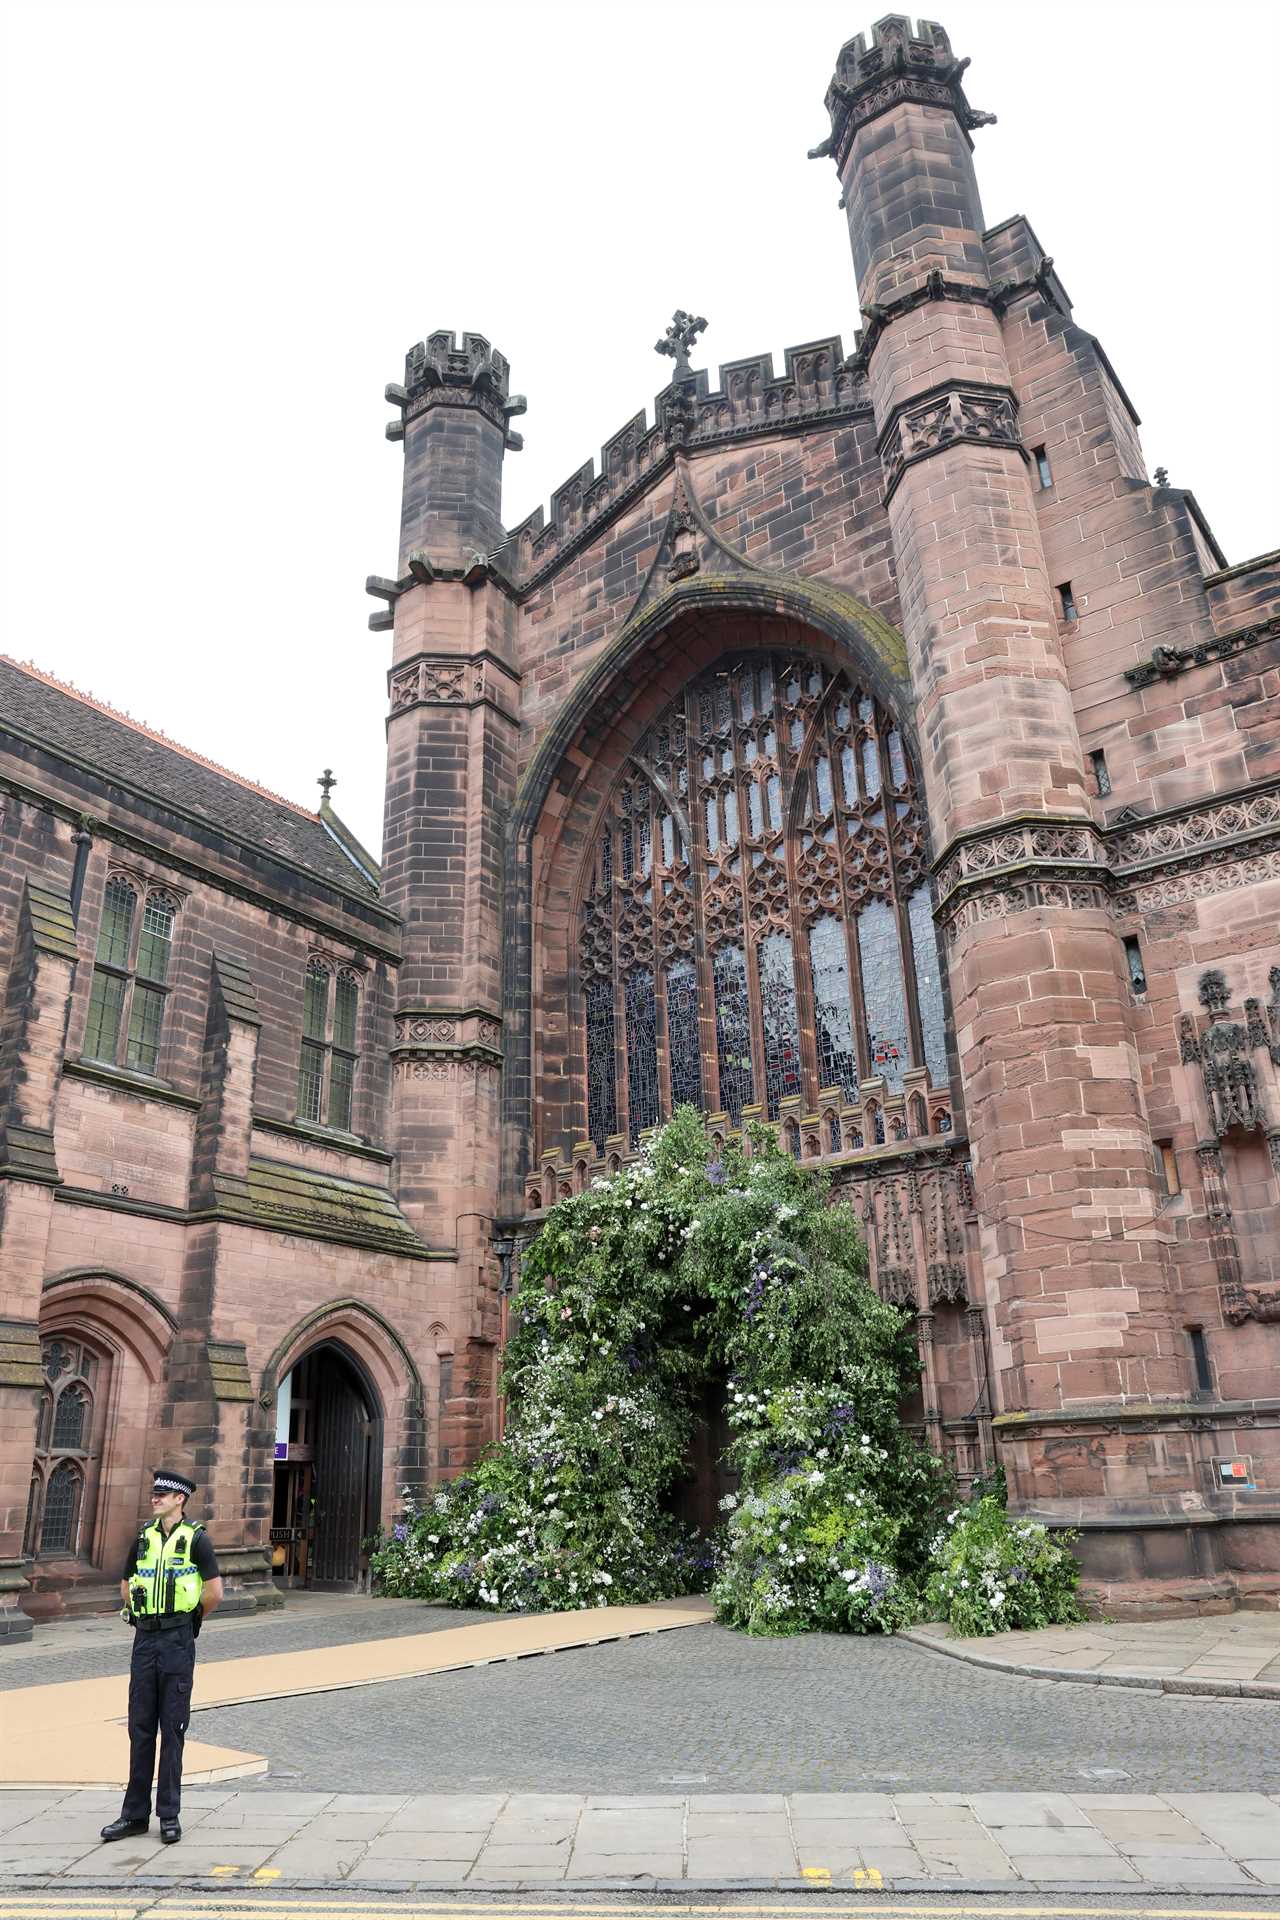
(451, 731)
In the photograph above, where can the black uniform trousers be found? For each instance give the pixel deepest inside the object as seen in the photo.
(160, 1675)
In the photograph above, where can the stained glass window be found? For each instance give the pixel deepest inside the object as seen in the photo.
(642, 1052)
(883, 993)
(832, 916)
(684, 1040)
(602, 1100)
(68, 1421)
(733, 1032)
(781, 1026)
(928, 971)
(829, 958)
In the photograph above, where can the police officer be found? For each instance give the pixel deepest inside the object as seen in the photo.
(170, 1584)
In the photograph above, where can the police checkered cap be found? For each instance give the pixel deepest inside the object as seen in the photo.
(167, 1481)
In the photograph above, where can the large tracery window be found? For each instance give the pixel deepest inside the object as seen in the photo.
(757, 923)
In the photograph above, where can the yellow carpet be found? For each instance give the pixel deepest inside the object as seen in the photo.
(71, 1733)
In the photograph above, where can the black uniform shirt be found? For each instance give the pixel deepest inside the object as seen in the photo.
(203, 1557)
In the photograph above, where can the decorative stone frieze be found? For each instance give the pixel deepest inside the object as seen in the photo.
(442, 1036)
(946, 417)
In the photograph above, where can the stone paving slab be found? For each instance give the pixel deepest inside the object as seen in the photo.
(1229, 1656)
(907, 1842)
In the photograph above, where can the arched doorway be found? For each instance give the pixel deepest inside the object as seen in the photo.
(328, 1453)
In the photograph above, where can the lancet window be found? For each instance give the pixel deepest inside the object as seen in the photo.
(756, 921)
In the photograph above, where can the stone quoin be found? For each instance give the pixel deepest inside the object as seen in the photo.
(869, 747)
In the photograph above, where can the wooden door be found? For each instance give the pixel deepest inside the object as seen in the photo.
(342, 1433)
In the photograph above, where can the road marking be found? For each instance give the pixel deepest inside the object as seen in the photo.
(233, 1907)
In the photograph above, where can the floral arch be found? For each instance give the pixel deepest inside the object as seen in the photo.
(755, 931)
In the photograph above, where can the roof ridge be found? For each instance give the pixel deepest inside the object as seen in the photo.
(153, 733)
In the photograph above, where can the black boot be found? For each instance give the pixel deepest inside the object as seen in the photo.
(123, 1829)
(170, 1830)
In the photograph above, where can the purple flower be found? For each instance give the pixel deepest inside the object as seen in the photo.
(400, 1531)
(715, 1172)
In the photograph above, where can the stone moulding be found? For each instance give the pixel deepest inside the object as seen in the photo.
(956, 414)
(1019, 864)
(1166, 663)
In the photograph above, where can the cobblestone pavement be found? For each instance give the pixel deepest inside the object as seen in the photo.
(93, 1650)
(708, 1709)
(1227, 1842)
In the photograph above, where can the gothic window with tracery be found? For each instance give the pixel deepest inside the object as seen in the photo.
(756, 922)
(64, 1471)
(130, 977)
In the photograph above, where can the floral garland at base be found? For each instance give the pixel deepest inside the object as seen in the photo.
(737, 1276)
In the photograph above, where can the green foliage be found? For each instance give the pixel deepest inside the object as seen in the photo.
(681, 1271)
(988, 1573)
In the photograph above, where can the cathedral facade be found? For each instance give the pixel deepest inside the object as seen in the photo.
(870, 748)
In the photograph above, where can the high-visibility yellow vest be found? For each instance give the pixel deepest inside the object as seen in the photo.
(171, 1581)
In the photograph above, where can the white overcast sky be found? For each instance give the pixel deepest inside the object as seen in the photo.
(225, 223)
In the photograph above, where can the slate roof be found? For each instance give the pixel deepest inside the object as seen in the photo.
(60, 717)
(324, 1204)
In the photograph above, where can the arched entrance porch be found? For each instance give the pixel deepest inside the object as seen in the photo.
(327, 1495)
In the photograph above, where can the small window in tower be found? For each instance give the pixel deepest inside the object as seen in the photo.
(1068, 600)
(1102, 779)
(1136, 965)
(1200, 1359)
(1167, 1177)
(1044, 472)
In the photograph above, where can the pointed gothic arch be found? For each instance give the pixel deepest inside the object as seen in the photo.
(581, 761)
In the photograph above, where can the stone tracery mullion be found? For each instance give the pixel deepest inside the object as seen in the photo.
(915, 1034)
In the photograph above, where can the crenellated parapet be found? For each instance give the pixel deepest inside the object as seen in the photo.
(439, 371)
(818, 384)
(898, 66)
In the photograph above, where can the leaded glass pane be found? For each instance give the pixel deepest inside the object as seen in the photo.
(755, 806)
(602, 1094)
(849, 775)
(642, 1052)
(117, 922)
(344, 1013)
(731, 818)
(684, 1040)
(106, 1001)
(58, 1359)
(870, 768)
(69, 1418)
(310, 1082)
(61, 1510)
(43, 1421)
(733, 1031)
(28, 1531)
(933, 1019)
(781, 1025)
(342, 1073)
(606, 860)
(837, 1055)
(145, 1017)
(883, 993)
(897, 759)
(645, 833)
(822, 774)
(315, 1003)
(713, 826)
(775, 801)
(668, 841)
(625, 849)
(156, 943)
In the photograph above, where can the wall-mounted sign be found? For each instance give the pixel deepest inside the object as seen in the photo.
(282, 1449)
(1236, 1473)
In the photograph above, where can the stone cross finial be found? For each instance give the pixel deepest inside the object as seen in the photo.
(326, 783)
(679, 337)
